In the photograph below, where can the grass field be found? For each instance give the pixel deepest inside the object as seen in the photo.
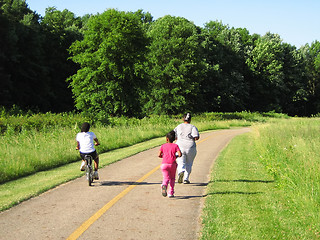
(266, 184)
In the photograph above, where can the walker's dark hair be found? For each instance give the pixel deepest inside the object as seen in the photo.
(171, 136)
(187, 117)
(85, 127)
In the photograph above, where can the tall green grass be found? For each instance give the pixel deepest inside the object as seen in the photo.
(38, 142)
(31, 151)
(290, 151)
(266, 184)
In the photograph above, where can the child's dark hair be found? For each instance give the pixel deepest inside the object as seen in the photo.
(171, 136)
(85, 127)
(187, 117)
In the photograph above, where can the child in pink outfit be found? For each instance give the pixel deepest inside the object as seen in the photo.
(168, 153)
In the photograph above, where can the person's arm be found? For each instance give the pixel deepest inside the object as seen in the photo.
(195, 133)
(78, 146)
(160, 154)
(179, 153)
(97, 143)
(176, 133)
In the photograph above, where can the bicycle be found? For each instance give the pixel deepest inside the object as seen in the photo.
(89, 169)
(88, 158)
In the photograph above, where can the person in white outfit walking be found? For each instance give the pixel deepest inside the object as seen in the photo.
(186, 135)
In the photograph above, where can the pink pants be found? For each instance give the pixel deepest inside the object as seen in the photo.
(169, 176)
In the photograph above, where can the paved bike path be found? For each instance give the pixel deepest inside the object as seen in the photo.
(117, 207)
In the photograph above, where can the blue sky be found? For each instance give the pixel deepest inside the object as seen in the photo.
(297, 22)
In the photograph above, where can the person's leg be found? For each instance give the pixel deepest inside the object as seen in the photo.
(83, 163)
(96, 164)
(181, 161)
(165, 180)
(165, 174)
(82, 166)
(189, 162)
(95, 157)
(172, 175)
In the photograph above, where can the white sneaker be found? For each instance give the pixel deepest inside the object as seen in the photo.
(83, 164)
(96, 175)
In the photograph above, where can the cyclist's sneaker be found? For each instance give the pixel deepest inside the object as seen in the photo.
(180, 177)
(170, 196)
(186, 182)
(83, 164)
(96, 175)
(164, 190)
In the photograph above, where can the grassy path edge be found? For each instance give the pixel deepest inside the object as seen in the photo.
(237, 195)
(17, 191)
(244, 200)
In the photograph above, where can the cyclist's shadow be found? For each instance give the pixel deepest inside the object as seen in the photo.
(129, 183)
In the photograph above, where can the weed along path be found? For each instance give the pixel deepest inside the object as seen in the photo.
(126, 203)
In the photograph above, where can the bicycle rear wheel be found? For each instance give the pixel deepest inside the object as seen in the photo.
(89, 175)
(89, 171)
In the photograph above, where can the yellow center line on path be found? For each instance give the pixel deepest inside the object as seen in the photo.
(77, 233)
(205, 139)
(80, 230)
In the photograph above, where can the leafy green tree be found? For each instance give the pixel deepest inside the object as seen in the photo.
(226, 87)
(174, 66)
(110, 57)
(15, 10)
(311, 56)
(34, 59)
(61, 29)
(4, 75)
(145, 17)
(295, 94)
(22, 57)
(265, 61)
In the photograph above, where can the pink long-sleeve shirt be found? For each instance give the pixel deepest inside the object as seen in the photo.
(169, 151)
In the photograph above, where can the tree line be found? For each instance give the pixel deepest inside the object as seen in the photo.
(128, 64)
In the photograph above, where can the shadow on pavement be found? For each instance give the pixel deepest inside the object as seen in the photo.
(188, 197)
(118, 183)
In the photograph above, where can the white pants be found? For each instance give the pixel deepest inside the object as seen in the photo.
(185, 162)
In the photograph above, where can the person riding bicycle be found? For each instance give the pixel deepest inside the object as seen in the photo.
(85, 144)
